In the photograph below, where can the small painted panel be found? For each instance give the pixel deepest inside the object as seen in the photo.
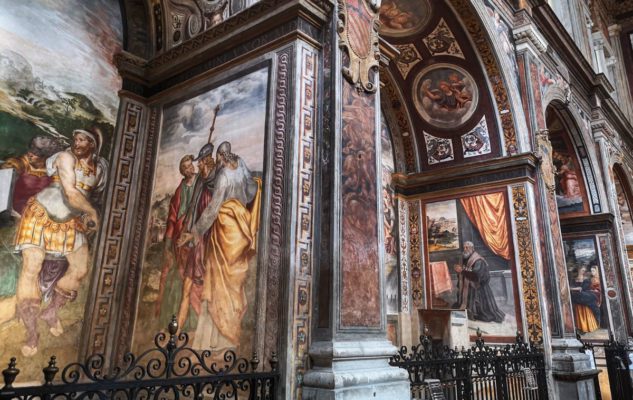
(477, 141)
(409, 57)
(445, 95)
(570, 186)
(203, 228)
(403, 17)
(586, 286)
(442, 42)
(438, 149)
(471, 261)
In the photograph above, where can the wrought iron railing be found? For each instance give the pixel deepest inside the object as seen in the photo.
(170, 370)
(617, 358)
(480, 372)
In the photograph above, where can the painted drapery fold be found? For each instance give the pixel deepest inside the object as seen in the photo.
(487, 213)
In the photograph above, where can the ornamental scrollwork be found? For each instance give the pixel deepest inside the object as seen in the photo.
(357, 28)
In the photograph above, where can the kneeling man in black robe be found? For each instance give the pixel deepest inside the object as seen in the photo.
(475, 294)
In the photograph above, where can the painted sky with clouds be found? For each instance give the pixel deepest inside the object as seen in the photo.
(241, 121)
(69, 44)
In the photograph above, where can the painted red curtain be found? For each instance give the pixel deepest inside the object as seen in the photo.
(488, 214)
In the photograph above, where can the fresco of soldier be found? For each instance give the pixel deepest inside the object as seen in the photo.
(55, 225)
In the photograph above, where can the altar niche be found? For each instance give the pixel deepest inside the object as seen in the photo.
(470, 259)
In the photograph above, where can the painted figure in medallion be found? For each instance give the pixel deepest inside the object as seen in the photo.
(55, 224)
(445, 95)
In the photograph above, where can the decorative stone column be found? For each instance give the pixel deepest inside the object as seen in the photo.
(350, 350)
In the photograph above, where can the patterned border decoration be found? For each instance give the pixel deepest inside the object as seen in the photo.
(112, 240)
(129, 299)
(276, 234)
(475, 29)
(403, 216)
(305, 220)
(398, 108)
(415, 255)
(528, 268)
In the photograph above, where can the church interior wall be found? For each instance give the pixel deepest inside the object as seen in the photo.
(505, 143)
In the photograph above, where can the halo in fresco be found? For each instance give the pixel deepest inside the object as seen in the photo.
(445, 95)
(403, 17)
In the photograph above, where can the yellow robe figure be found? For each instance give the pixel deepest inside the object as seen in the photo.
(230, 247)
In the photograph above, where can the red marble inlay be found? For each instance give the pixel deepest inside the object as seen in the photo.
(360, 283)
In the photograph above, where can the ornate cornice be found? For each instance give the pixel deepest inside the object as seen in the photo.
(528, 37)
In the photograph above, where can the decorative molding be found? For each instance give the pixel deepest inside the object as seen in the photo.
(528, 37)
(403, 217)
(226, 28)
(357, 28)
(527, 267)
(304, 224)
(132, 279)
(613, 287)
(111, 254)
(415, 254)
(544, 152)
(398, 108)
(277, 205)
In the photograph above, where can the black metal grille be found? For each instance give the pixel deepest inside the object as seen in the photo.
(170, 370)
(481, 372)
(617, 358)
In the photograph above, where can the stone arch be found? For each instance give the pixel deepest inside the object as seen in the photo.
(506, 63)
(397, 116)
(474, 61)
(556, 110)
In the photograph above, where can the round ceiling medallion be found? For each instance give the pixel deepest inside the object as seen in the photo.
(403, 17)
(445, 95)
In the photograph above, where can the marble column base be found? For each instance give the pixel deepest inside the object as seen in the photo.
(572, 370)
(355, 370)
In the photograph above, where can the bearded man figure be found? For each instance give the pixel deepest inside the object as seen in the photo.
(227, 228)
(53, 226)
(475, 294)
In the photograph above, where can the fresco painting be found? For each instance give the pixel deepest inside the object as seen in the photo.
(587, 288)
(58, 104)
(625, 211)
(200, 253)
(470, 261)
(389, 220)
(570, 192)
(445, 95)
(403, 17)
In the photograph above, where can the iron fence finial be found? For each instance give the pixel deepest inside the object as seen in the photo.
(254, 361)
(172, 328)
(50, 371)
(274, 361)
(10, 374)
